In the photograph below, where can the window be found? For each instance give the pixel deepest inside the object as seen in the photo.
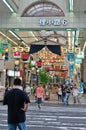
(43, 9)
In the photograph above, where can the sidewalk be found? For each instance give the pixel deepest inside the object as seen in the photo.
(54, 99)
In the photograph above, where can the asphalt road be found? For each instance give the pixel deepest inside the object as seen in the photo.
(51, 117)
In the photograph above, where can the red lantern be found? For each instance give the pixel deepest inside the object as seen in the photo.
(39, 63)
(25, 56)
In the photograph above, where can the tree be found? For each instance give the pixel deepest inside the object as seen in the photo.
(44, 78)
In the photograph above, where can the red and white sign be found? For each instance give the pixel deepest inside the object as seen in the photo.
(17, 54)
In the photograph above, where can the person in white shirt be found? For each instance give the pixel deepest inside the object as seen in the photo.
(59, 93)
(28, 90)
(75, 93)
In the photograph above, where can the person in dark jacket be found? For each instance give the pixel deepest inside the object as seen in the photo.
(17, 102)
(67, 95)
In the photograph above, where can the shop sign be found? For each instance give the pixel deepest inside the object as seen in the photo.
(34, 77)
(2, 51)
(17, 54)
(4, 46)
(71, 56)
(25, 56)
(54, 22)
(80, 55)
(71, 69)
(78, 61)
(13, 73)
(39, 63)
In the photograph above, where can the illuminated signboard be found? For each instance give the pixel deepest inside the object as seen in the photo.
(78, 61)
(54, 22)
(80, 55)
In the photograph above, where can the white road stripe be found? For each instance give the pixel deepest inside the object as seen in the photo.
(42, 116)
(1, 114)
(60, 127)
(68, 117)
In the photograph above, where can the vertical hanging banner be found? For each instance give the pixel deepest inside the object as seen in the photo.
(5, 47)
(71, 56)
(71, 69)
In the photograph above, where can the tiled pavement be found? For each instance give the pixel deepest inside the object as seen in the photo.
(54, 99)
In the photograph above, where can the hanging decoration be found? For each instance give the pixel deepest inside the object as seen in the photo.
(53, 48)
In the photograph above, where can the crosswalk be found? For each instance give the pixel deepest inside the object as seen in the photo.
(51, 117)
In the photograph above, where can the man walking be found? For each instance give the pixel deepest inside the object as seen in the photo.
(17, 102)
(40, 95)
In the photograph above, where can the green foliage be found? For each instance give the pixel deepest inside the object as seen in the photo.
(44, 78)
(57, 79)
(29, 65)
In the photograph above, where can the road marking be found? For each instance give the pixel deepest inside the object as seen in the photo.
(68, 117)
(60, 127)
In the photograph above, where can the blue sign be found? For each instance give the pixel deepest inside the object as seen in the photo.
(34, 77)
(71, 56)
(71, 69)
(78, 61)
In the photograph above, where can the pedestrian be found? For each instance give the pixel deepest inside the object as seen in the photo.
(67, 95)
(75, 93)
(40, 95)
(63, 87)
(81, 88)
(28, 89)
(17, 102)
(59, 93)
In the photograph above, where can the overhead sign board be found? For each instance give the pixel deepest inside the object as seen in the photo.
(54, 22)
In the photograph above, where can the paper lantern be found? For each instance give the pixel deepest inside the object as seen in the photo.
(20, 49)
(14, 49)
(64, 50)
(25, 56)
(70, 50)
(77, 50)
(27, 49)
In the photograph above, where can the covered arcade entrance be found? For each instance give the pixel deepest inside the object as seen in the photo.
(30, 25)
